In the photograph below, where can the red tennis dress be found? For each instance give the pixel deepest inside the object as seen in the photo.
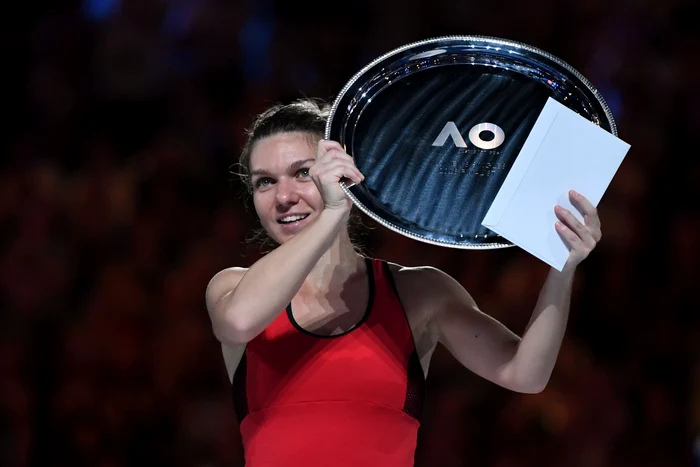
(349, 400)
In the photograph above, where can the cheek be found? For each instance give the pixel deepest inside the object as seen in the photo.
(312, 195)
(260, 202)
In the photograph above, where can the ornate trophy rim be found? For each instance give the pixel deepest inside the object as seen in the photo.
(488, 43)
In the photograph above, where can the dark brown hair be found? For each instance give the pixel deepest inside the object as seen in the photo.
(305, 115)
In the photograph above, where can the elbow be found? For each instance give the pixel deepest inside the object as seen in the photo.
(534, 386)
(231, 324)
(232, 330)
(524, 388)
(525, 383)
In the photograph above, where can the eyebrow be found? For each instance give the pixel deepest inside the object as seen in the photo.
(293, 167)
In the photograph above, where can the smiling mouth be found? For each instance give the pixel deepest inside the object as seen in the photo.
(292, 219)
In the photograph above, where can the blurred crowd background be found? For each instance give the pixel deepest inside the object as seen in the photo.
(117, 205)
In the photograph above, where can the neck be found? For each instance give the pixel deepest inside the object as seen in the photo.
(338, 263)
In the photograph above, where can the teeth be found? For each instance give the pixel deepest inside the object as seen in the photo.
(292, 218)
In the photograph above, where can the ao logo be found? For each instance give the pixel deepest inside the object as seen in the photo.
(450, 130)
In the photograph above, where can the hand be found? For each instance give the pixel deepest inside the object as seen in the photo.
(581, 238)
(332, 165)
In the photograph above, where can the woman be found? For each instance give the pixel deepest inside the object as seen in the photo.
(328, 350)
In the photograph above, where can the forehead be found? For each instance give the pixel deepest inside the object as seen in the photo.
(280, 150)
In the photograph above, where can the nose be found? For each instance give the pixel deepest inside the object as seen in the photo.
(286, 195)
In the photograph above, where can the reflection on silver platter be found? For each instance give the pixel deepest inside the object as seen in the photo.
(436, 125)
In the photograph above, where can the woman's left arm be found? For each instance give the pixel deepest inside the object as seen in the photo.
(522, 364)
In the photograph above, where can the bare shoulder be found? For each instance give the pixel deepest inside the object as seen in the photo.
(413, 272)
(417, 286)
(427, 285)
(422, 279)
(222, 283)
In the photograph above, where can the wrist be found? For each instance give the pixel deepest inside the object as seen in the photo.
(342, 210)
(336, 214)
(566, 275)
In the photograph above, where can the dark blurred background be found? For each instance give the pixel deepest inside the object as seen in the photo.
(122, 119)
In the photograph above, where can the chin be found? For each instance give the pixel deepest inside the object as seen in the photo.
(280, 238)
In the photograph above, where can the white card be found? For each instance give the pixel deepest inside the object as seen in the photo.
(564, 151)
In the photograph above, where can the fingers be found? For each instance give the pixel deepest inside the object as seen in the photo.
(345, 170)
(335, 154)
(325, 146)
(572, 240)
(574, 225)
(581, 238)
(335, 170)
(589, 212)
(331, 150)
(329, 153)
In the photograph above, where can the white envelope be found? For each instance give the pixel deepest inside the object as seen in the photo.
(564, 151)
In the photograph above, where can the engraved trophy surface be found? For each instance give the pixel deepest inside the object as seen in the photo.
(436, 125)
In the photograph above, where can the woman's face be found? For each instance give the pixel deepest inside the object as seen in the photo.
(286, 199)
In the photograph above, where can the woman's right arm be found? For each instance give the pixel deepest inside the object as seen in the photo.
(242, 303)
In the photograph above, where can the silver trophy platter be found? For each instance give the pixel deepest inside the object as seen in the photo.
(436, 125)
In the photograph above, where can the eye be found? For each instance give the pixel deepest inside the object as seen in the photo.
(263, 182)
(303, 173)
